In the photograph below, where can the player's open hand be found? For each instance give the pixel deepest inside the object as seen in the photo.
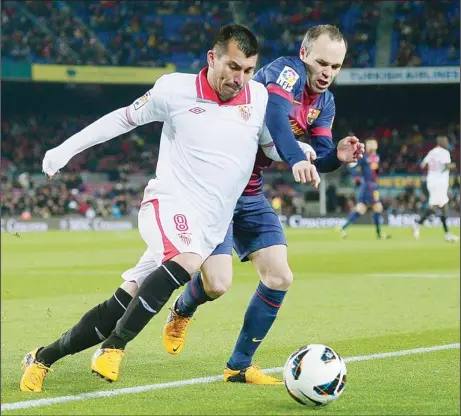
(350, 150)
(306, 172)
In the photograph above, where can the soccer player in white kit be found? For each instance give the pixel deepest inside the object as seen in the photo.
(438, 163)
(213, 125)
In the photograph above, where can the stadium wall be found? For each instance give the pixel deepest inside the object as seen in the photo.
(76, 224)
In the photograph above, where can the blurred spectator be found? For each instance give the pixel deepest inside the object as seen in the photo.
(153, 33)
(67, 195)
(26, 139)
(122, 33)
(282, 25)
(426, 33)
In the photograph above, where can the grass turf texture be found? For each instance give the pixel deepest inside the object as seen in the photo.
(49, 280)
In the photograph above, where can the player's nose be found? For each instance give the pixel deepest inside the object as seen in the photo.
(326, 73)
(239, 78)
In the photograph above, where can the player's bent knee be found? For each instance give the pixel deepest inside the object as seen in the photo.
(217, 287)
(190, 262)
(378, 207)
(278, 281)
(272, 265)
(217, 282)
(130, 287)
(361, 208)
(217, 275)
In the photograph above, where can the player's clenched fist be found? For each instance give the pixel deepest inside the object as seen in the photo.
(52, 162)
(306, 172)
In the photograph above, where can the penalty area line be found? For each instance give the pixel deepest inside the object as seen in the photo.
(29, 404)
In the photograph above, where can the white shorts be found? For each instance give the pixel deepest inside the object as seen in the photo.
(171, 226)
(438, 194)
(146, 265)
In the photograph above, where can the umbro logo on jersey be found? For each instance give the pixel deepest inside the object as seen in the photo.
(197, 110)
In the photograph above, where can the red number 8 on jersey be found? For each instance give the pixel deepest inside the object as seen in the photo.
(181, 222)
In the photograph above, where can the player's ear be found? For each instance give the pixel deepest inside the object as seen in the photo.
(210, 56)
(302, 53)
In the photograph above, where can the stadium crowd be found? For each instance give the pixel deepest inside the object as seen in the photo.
(121, 33)
(426, 33)
(148, 33)
(67, 195)
(26, 140)
(287, 200)
(281, 26)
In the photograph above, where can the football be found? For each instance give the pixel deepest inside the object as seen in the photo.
(315, 375)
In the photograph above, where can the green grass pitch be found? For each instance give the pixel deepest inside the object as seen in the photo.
(360, 296)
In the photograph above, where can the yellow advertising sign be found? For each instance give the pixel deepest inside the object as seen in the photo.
(401, 181)
(99, 74)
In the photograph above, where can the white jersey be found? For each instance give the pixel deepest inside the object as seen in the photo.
(436, 160)
(207, 148)
(207, 153)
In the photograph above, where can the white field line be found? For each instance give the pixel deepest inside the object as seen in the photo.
(28, 404)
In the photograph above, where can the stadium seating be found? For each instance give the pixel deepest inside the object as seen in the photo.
(122, 33)
(426, 33)
(67, 195)
(281, 26)
(26, 139)
(153, 33)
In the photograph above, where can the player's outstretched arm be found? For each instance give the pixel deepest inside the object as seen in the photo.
(278, 123)
(107, 127)
(269, 149)
(150, 107)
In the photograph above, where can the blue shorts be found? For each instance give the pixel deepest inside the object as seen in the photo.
(255, 226)
(368, 193)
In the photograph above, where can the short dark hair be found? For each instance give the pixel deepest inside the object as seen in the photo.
(241, 35)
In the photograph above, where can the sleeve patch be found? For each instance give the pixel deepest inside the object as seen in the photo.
(141, 101)
(287, 78)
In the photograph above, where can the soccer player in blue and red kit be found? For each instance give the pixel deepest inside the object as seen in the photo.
(368, 192)
(299, 105)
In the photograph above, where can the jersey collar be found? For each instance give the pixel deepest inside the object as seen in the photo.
(205, 92)
(308, 96)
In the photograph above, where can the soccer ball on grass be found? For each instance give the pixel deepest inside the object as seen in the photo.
(315, 375)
